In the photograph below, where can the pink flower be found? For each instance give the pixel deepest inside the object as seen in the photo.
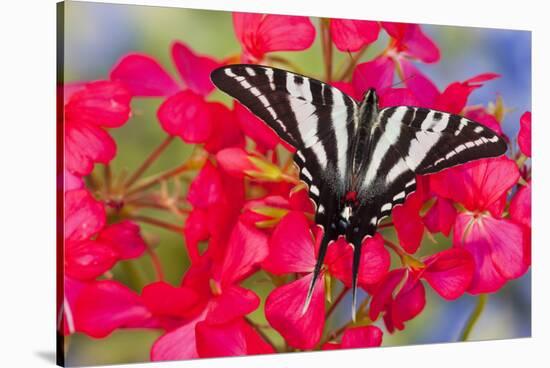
(524, 136)
(358, 337)
(95, 105)
(259, 34)
(401, 295)
(352, 35)
(211, 303)
(91, 249)
(292, 250)
(106, 305)
(497, 244)
(409, 40)
(145, 77)
(185, 112)
(520, 213)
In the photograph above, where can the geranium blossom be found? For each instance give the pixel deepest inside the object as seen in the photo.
(259, 34)
(292, 249)
(95, 106)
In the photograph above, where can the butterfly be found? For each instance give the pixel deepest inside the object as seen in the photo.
(359, 161)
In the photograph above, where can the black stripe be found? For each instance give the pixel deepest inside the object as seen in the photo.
(419, 117)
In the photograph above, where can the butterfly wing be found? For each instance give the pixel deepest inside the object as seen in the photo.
(314, 117)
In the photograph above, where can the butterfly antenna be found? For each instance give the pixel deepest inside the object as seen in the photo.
(402, 81)
(354, 278)
(317, 270)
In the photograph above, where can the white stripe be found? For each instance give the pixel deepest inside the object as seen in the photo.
(399, 168)
(250, 71)
(386, 207)
(244, 83)
(256, 92)
(269, 73)
(321, 155)
(410, 183)
(420, 147)
(388, 138)
(478, 129)
(399, 196)
(230, 73)
(313, 189)
(340, 131)
(264, 100)
(494, 139)
(291, 86)
(307, 120)
(301, 155)
(307, 174)
(441, 124)
(272, 112)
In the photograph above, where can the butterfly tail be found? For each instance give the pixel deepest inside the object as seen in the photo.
(317, 270)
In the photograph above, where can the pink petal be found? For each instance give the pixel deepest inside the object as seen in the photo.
(101, 103)
(194, 69)
(383, 293)
(72, 289)
(524, 136)
(352, 35)
(283, 310)
(178, 344)
(186, 115)
(481, 116)
(234, 302)
(255, 128)
(408, 303)
(375, 261)
(291, 247)
(450, 272)
(423, 89)
(455, 96)
(497, 247)
(284, 33)
(408, 225)
(226, 128)
(362, 337)
(84, 216)
(206, 189)
(246, 249)
(440, 217)
(71, 182)
(221, 340)
(478, 184)
(398, 97)
(377, 74)
(88, 259)
(259, 33)
(520, 206)
(144, 76)
(232, 339)
(411, 40)
(235, 161)
(125, 238)
(86, 144)
(195, 230)
(163, 299)
(107, 305)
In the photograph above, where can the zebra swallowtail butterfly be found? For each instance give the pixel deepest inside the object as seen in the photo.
(359, 161)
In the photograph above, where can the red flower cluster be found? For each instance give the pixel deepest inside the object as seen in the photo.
(245, 212)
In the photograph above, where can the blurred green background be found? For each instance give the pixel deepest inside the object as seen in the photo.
(98, 35)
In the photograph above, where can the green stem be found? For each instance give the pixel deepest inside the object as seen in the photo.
(148, 161)
(261, 333)
(474, 317)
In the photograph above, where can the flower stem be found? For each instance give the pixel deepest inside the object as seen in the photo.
(327, 48)
(474, 317)
(159, 223)
(148, 161)
(157, 265)
(286, 62)
(193, 163)
(348, 71)
(261, 333)
(108, 177)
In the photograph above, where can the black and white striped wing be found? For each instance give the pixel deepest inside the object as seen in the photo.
(315, 118)
(410, 141)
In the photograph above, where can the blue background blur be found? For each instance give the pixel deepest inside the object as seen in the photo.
(98, 35)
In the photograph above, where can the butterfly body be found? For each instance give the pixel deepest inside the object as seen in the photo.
(358, 160)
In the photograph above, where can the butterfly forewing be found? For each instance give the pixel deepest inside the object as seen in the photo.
(315, 118)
